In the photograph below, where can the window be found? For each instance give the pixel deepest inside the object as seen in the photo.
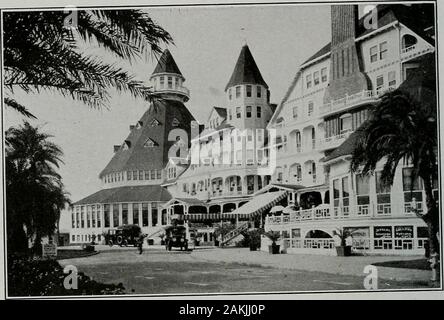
(124, 213)
(392, 79)
(154, 213)
(316, 78)
(162, 82)
(147, 175)
(373, 53)
(140, 175)
(310, 108)
(362, 189)
(135, 175)
(154, 123)
(308, 81)
(258, 91)
(249, 89)
(324, 74)
(159, 174)
(176, 82)
(345, 192)
(115, 215)
(379, 84)
(383, 50)
(345, 122)
(295, 112)
(238, 92)
(153, 174)
(230, 115)
(106, 215)
(170, 82)
(259, 112)
(238, 112)
(248, 111)
(230, 95)
(144, 214)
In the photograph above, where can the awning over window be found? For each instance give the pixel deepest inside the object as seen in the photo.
(260, 203)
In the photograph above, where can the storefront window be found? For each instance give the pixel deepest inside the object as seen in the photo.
(125, 213)
(106, 215)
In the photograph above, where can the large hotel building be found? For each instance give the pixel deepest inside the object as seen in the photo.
(253, 155)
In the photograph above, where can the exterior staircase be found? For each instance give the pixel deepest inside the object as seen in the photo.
(226, 238)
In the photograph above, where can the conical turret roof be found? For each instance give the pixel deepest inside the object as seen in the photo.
(246, 70)
(167, 64)
(147, 145)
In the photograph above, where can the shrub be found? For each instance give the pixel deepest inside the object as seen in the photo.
(273, 236)
(89, 248)
(36, 277)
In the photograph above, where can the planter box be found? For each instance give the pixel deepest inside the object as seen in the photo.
(274, 249)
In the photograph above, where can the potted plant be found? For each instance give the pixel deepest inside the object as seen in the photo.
(273, 236)
(340, 243)
(254, 238)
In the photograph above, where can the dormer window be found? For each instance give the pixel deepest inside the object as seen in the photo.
(175, 122)
(149, 143)
(139, 125)
(154, 123)
(126, 145)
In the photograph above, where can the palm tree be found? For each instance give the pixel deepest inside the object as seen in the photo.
(35, 194)
(42, 52)
(403, 127)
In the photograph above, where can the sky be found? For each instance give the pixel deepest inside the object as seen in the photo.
(207, 42)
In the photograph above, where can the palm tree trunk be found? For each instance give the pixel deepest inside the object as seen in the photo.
(431, 218)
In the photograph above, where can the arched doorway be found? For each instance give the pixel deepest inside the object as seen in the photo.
(317, 234)
(310, 199)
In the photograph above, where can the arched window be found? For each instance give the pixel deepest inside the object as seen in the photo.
(408, 41)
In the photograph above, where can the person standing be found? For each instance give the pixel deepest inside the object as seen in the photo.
(140, 242)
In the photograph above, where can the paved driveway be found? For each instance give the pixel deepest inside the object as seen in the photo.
(161, 272)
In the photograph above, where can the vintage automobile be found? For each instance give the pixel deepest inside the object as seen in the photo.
(123, 235)
(175, 236)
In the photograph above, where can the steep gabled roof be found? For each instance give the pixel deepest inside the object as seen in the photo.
(221, 111)
(139, 156)
(167, 64)
(127, 194)
(246, 70)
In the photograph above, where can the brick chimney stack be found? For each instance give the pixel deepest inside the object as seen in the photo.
(346, 76)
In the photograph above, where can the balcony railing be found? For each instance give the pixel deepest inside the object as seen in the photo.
(365, 96)
(333, 141)
(414, 51)
(364, 211)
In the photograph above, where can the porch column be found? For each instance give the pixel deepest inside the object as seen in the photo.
(323, 196)
(140, 214)
(150, 215)
(298, 199)
(130, 213)
(159, 215)
(120, 214)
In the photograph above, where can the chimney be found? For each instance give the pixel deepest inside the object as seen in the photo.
(116, 148)
(346, 76)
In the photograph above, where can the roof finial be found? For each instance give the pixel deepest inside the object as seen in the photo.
(244, 36)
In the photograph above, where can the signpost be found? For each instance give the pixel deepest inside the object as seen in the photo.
(49, 251)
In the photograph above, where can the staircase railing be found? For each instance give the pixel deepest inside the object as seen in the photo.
(234, 233)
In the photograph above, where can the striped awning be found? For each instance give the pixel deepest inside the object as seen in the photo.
(260, 203)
